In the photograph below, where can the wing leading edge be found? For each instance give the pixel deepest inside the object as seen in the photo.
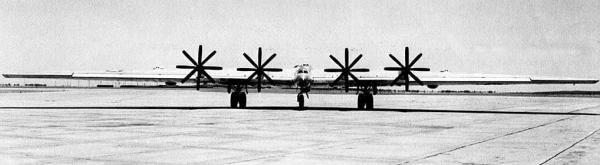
(220, 79)
(434, 79)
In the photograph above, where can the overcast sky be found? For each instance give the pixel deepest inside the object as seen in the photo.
(548, 38)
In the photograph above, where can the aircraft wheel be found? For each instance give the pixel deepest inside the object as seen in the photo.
(242, 99)
(300, 100)
(361, 101)
(369, 101)
(233, 100)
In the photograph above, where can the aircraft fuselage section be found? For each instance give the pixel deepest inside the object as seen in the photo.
(302, 76)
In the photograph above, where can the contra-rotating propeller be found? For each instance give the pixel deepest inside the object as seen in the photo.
(198, 67)
(259, 69)
(405, 71)
(346, 70)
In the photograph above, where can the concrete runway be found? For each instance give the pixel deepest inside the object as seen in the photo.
(135, 126)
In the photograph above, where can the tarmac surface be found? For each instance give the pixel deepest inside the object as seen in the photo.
(140, 126)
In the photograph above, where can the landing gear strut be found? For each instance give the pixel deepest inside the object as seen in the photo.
(237, 97)
(365, 97)
(300, 97)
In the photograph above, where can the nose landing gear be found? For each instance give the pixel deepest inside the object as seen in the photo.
(300, 97)
(300, 100)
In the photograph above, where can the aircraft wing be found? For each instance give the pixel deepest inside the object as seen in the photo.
(221, 78)
(448, 78)
(319, 79)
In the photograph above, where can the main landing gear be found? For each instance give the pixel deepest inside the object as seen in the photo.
(365, 97)
(238, 97)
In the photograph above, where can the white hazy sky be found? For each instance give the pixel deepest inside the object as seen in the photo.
(530, 37)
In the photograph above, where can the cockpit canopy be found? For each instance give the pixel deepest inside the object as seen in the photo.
(302, 65)
(303, 68)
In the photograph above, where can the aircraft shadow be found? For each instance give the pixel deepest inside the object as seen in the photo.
(315, 109)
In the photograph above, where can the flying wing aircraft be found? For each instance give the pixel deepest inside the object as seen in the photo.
(304, 77)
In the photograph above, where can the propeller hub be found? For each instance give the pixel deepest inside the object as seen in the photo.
(406, 71)
(346, 70)
(259, 70)
(198, 67)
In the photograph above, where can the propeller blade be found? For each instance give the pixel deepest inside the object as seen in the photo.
(416, 78)
(415, 60)
(272, 69)
(338, 78)
(406, 81)
(199, 53)
(346, 58)
(353, 77)
(406, 57)
(420, 69)
(396, 60)
(212, 68)
(355, 61)
(269, 79)
(346, 82)
(395, 81)
(188, 76)
(189, 57)
(207, 76)
(198, 82)
(250, 77)
(259, 87)
(360, 70)
(259, 57)
(208, 58)
(336, 61)
(250, 60)
(393, 68)
(269, 60)
(246, 69)
(333, 70)
(185, 67)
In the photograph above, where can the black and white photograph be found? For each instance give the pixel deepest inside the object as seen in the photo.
(244, 82)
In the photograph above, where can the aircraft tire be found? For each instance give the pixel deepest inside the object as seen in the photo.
(300, 99)
(369, 101)
(242, 99)
(361, 101)
(233, 100)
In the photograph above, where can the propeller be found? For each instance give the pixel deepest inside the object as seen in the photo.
(259, 69)
(406, 71)
(346, 70)
(198, 67)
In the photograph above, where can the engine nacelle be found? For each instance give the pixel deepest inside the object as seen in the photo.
(432, 86)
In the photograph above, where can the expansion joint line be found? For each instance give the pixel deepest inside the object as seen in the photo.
(490, 139)
(304, 149)
(571, 146)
